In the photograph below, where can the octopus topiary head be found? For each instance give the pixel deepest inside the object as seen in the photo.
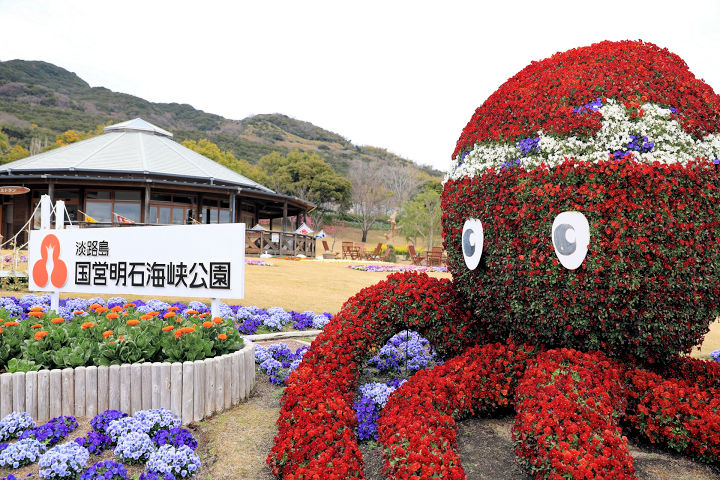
(583, 205)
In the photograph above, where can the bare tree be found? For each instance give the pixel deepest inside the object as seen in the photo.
(370, 194)
(403, 183)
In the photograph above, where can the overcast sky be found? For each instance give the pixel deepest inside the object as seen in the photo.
(405, 76)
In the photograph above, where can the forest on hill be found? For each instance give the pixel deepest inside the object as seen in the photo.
(39, 100)
(43, 106)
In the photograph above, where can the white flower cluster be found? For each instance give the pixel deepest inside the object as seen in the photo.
(671, 143)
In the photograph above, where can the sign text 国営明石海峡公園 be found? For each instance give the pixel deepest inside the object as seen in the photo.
(177, 260)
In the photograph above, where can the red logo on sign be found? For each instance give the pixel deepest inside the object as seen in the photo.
(50, 252)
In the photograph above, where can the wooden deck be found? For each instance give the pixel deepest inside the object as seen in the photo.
(258, 242)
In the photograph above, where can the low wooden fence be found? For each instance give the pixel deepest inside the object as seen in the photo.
(258, 242)
(191, 390)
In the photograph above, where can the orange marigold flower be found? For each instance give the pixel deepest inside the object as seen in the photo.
(101, 309)
(94, 306)
(178, 333)
(207, 324)
(111, 342)
(36, 314)
(37, 309)
(58, 320)
(125, 314)
(154, 313)
(107, 333)
(146, 316)
(37, 325)
(203, 315)
(11, 324)
(168, 328)
(173, 309)
(191, 312)
(112, 315)
(117, 309)
(40, 335)
(129, 305)
(78, 312)
(217, 320)
(121, 338)
(222, 336)
(87, 325)
(1, 330)
(187, 329)
(133, 322)
(169, 315)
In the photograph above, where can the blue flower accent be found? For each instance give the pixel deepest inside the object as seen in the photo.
(106, 470)
(636, 144)
(593, 106)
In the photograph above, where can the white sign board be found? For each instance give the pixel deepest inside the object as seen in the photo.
(177, 260)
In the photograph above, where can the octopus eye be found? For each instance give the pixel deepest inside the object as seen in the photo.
(472, 242)
(571, 238)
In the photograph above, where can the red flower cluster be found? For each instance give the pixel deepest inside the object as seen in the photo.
(649, 285)
(316, 424)
(417, 426)
(543, 94)
(568, 408)
(678, 413)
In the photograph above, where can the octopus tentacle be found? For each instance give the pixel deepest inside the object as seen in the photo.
(417, 426)
(675, 411)
(568, 409)
(316, 424)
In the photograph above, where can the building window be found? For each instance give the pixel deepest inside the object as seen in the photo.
(166, 209)
(216, 211)
(103, 206)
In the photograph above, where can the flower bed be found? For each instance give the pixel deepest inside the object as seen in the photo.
(192, 390)
(151, 437)
(396, 268)
(95, 334)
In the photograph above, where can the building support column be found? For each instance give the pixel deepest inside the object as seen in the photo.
(146, 206)
(232, 208)
(285, 217)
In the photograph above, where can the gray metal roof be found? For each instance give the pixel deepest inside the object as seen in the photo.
(136, 147)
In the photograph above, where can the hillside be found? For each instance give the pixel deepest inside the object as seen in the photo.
(41, 100)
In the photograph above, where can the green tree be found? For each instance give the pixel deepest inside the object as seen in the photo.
(8, 152)
(208, 149)
(310, 178)
(16, 153)
(4, 143)
(422, 216)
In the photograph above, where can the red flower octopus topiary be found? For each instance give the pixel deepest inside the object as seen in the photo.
(582, 225)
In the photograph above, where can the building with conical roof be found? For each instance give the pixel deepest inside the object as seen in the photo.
(135, 171)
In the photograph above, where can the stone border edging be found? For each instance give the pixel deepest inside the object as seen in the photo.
(280, 335)
(191, 390)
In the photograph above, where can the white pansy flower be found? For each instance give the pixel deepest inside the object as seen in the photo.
(671, 144)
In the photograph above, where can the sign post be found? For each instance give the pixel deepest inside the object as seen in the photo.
(176, 260)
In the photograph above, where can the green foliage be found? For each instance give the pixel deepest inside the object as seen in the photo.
(20, 365)
(308, 177)
(227, 159)
(99, 340)
(421, 217)
(57, 101)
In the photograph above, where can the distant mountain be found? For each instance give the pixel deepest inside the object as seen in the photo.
(41, 100)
